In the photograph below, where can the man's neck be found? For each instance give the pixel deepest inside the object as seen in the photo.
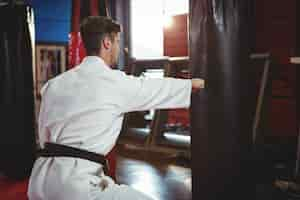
(104, 57)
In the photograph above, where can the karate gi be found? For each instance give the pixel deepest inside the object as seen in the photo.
(84, 108)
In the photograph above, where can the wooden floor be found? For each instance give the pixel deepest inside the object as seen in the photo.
(164, 177)
(157, 175)
(161, 176)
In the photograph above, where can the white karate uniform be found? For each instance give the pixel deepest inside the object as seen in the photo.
(84, 108)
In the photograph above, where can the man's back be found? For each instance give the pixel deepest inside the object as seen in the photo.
(80, 108)
(84, 108)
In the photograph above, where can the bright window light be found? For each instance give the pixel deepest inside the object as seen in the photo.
(148, 19)
(147, 28)
(168, 21)
(176, 7)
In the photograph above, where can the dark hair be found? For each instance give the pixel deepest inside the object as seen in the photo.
(93, 30)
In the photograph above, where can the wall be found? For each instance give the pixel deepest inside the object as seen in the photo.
(276, 33)
(176, 37)
(52, 20)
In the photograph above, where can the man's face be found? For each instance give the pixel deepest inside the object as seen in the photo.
(115, 49)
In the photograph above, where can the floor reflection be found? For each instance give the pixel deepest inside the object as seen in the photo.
(154, 174)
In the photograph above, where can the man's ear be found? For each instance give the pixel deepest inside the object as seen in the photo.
(106, 43)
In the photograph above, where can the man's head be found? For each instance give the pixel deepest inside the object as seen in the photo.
(101, 37)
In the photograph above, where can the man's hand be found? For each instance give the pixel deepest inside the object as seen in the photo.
(197, 84)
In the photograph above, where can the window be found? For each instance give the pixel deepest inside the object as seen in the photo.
(147, 21)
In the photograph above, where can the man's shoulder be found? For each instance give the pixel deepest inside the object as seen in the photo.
(112, 74)
(59, 80)
(117, 72)
(64, 75)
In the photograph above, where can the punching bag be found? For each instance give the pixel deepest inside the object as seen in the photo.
(17, 143)
(222, 114)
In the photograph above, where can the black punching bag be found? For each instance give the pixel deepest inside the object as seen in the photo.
(222, 114)
(17, 140)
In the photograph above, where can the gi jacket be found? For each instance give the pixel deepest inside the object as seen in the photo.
(84, 108)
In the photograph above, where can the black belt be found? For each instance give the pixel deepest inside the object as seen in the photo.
(59, 150)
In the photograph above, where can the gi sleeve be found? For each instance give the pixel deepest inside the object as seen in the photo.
(147, 93)
(43, 132)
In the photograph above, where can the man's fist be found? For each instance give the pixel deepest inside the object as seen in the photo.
(197, 83)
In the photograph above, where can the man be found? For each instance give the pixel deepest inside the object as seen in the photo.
(84, 108)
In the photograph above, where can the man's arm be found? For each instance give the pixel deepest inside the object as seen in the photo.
(144, 94)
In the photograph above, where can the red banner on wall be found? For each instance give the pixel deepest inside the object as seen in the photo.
(76, 49)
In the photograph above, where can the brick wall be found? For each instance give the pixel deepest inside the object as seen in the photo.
(276, 33)
(176, 37)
